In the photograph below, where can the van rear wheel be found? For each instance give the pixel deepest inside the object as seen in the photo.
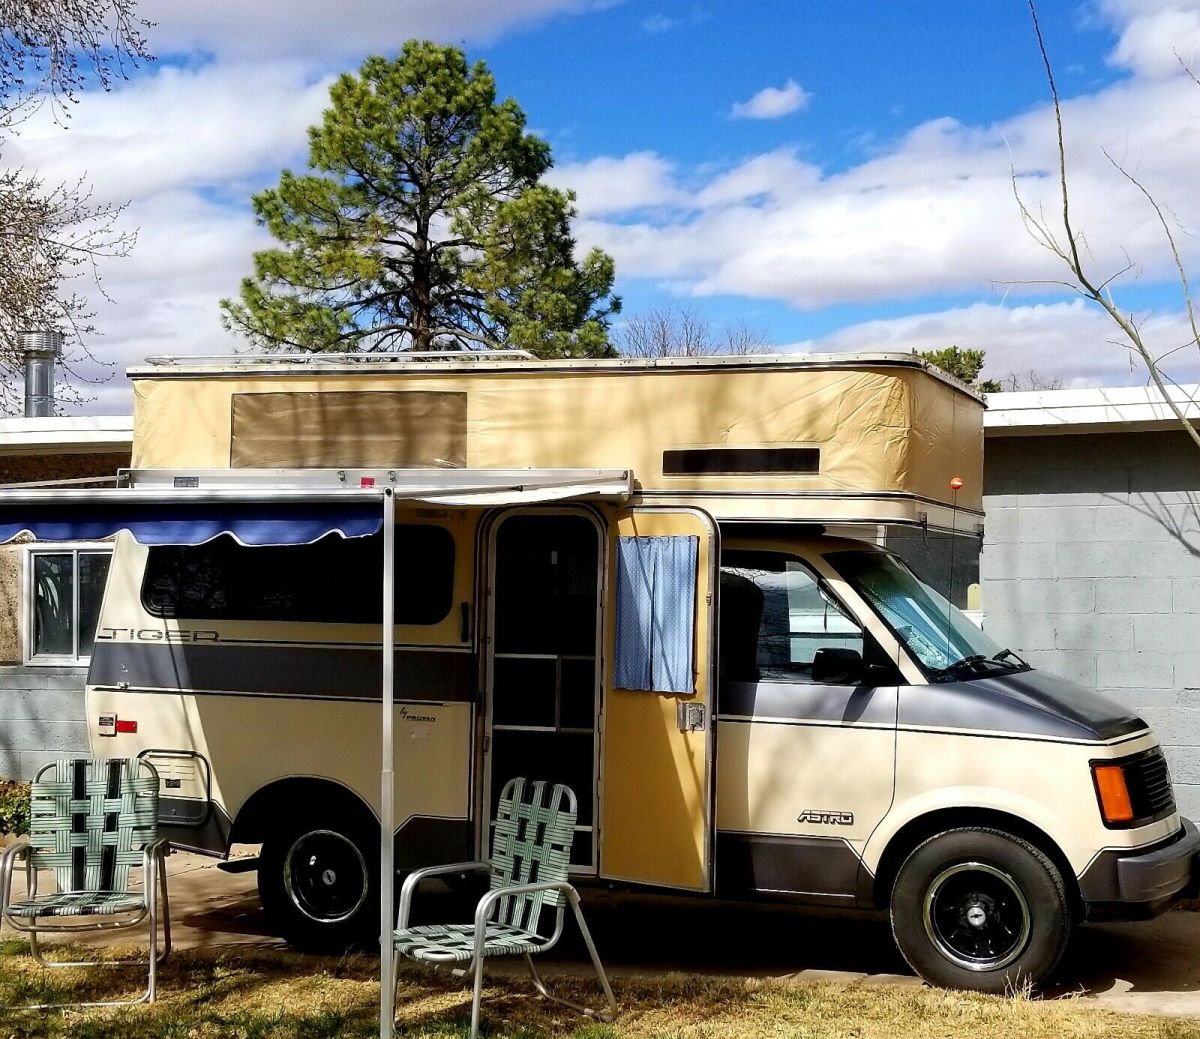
(319, 884)
(980, 909)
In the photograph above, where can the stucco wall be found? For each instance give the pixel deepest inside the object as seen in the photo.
(11, 557)
(1091, 569)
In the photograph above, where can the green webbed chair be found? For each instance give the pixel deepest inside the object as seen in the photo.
(91, 821)
(531, 847)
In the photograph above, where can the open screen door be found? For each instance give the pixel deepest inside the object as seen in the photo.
(657, 728)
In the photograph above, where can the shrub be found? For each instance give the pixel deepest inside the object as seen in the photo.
(14, 808)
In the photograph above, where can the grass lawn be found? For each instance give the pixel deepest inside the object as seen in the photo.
(244, 994)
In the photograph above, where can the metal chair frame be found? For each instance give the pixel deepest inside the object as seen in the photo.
(562, 893)
(155, 906)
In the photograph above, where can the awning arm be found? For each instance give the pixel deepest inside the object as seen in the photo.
(387, 809)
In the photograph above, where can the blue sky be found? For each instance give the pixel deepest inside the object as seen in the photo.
(663, 76)
(835, 174)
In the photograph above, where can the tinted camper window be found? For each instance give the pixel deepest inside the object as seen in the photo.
(334, 580)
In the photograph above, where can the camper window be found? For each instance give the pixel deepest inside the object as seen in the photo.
(774, 618)
(334, 580)
(714, 461)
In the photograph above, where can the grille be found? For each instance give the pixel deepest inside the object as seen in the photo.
(1149, 783)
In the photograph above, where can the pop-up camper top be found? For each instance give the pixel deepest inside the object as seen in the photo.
(663, 583)
(863, 438)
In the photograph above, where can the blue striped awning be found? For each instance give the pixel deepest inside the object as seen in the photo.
(192, 523)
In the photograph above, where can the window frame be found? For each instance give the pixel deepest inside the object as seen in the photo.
(75, 549)
(819, 581)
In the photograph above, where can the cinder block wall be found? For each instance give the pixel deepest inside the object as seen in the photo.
(1091, 569)
(41, 718)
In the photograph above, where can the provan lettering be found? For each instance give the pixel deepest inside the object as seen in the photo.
(407, 716)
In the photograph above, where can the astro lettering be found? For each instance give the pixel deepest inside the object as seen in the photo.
(824, 818)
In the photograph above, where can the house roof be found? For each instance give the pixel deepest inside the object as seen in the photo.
(89, 434)
(1094, 410)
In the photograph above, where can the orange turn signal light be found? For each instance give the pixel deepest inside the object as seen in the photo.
(1111, 789)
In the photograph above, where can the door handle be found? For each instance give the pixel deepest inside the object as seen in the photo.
(690, 716)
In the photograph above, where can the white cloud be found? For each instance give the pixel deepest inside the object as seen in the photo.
(189, 254)
(773, 102)
(1071, 341)
(207, 127)
(618, 185)
(1156, 35)
(658, 23)
(331, 31)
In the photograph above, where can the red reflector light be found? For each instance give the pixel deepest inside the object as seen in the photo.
(124, 725)
(366, 481)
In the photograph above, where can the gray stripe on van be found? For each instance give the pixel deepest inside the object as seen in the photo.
(842, 704)
(299, 671)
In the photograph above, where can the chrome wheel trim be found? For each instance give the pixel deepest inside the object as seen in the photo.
(972, 910)
(295, 883)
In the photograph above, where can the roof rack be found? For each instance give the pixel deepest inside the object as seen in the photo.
(405, 357)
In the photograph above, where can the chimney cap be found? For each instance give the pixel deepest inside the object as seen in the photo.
(46, 341)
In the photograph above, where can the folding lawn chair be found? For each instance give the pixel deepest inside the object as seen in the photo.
(91, 820)
(530, 850)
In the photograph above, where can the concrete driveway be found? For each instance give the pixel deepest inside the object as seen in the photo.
(1151, 967)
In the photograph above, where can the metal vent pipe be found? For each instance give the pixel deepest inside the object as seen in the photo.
(42, 351)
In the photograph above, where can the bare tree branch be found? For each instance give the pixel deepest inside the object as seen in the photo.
(50, 50)
(50, 237)
(676, 331)
(1101, 292)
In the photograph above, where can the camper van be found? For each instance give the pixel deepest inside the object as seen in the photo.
(672, 585)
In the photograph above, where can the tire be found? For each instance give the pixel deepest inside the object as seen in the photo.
(980, 909)
(318, 879)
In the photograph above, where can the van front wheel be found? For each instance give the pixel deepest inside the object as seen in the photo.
(980, 909)
(318, 882)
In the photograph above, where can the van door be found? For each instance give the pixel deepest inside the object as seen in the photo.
(543, 685)
(806, 756)
(657, 746)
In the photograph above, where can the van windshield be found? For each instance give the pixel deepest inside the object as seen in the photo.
(946, 643)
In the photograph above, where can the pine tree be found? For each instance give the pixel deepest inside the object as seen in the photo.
(423, 224)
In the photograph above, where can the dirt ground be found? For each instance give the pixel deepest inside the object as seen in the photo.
(1151, 967)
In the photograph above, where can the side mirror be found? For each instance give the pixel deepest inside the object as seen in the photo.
(846, 667)
(837, 667)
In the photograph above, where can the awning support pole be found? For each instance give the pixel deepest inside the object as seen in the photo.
(387, 812)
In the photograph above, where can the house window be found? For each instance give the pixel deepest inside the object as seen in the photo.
(66, 584)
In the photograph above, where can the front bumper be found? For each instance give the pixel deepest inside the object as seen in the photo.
(1144, 882)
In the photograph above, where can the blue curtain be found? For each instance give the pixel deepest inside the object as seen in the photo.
(656, 609)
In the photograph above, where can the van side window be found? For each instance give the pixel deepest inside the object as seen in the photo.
(774, 618)
(334, 580)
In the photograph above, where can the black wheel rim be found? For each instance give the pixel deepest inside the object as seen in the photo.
(977, 916)
(325, 876)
